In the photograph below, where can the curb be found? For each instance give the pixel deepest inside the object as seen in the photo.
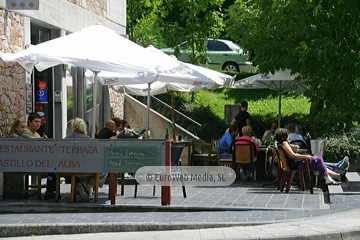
(91, 207)
(17, 230)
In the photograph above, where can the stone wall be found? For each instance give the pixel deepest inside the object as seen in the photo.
(116, 103)
(12, 75)
(97, 7)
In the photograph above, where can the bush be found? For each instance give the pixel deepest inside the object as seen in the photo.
(343, 144)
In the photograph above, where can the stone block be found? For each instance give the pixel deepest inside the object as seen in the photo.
(353, 181)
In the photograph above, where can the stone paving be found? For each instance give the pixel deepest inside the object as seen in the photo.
(239, 204)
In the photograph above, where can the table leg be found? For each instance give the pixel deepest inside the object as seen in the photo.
(122, 183)
(112, 186)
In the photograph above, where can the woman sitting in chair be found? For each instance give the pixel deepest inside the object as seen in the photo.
(297, 161)
(246, 135)
(79, 127)
(18, 129)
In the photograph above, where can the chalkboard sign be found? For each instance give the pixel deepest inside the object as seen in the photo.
(131, 158)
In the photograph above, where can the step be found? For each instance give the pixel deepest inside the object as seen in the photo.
(335, 189)
(353, 181)
(349, 187)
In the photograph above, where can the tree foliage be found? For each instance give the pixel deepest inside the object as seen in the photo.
(318, 39)
(143, 22)
(192, 21)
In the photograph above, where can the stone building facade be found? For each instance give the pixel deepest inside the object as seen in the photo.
(12, 92)
(22, 28)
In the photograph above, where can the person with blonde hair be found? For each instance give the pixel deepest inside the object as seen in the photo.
(79, 130)
(246, 135)
(18, 128)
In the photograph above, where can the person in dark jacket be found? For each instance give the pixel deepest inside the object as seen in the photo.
(108, 131)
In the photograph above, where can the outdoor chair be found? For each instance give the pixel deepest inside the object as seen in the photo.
(224, 162)
(74, 183)
(275, 163)
(286, 175)
(28, 188)
(205, 155)
(242, 155)
(176, 151)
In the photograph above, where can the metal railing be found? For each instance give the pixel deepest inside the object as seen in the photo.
(179, 113)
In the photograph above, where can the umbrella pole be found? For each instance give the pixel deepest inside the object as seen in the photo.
(279, 112)
(94, 103)
(148, 112)
(173, 112)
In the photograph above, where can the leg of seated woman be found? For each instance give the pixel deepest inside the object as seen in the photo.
(333, 174)
(316, 163)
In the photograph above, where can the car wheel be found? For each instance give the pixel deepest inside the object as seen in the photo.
(230, 67)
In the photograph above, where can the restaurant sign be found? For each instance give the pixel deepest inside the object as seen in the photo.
(70, 155)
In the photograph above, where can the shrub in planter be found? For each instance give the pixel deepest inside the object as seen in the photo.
(343, 144)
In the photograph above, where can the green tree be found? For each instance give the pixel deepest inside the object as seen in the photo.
(191, 21)
(143, 22)
(319, 39)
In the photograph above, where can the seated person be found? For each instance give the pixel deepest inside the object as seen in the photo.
(120, 124)
(79, 130)
(298, 161)
(246, 135)
(268, 136)
(226, 140)
(127, 132)
(339, 167)
(295, 138)
(18, 129)
(306, 134)
(108, 131)
(246, 132)
(33, 125)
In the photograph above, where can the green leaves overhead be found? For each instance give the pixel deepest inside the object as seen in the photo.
(317, 38)
(192, 21)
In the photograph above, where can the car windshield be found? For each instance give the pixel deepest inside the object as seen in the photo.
(184, 45)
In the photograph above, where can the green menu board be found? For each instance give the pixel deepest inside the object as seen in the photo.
(131, 158)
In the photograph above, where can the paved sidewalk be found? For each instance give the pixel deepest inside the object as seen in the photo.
(241, 204)
(344, 225)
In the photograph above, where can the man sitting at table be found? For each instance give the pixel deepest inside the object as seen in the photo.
(268, 136)
(295, 138)
(226, 141)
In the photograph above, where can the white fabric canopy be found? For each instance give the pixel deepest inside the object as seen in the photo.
(189, 79)
(279, 81)
(99, 49)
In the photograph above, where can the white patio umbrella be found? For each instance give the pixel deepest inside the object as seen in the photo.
(99, 49)
(279, 81)
(189, 79)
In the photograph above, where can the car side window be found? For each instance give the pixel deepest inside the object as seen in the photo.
(217, 46)
(184, 46)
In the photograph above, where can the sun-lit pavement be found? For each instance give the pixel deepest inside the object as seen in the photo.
(245, 205)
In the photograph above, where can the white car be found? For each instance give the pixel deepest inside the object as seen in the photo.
(224, 55)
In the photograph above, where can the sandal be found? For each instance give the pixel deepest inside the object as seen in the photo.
(333, 182)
